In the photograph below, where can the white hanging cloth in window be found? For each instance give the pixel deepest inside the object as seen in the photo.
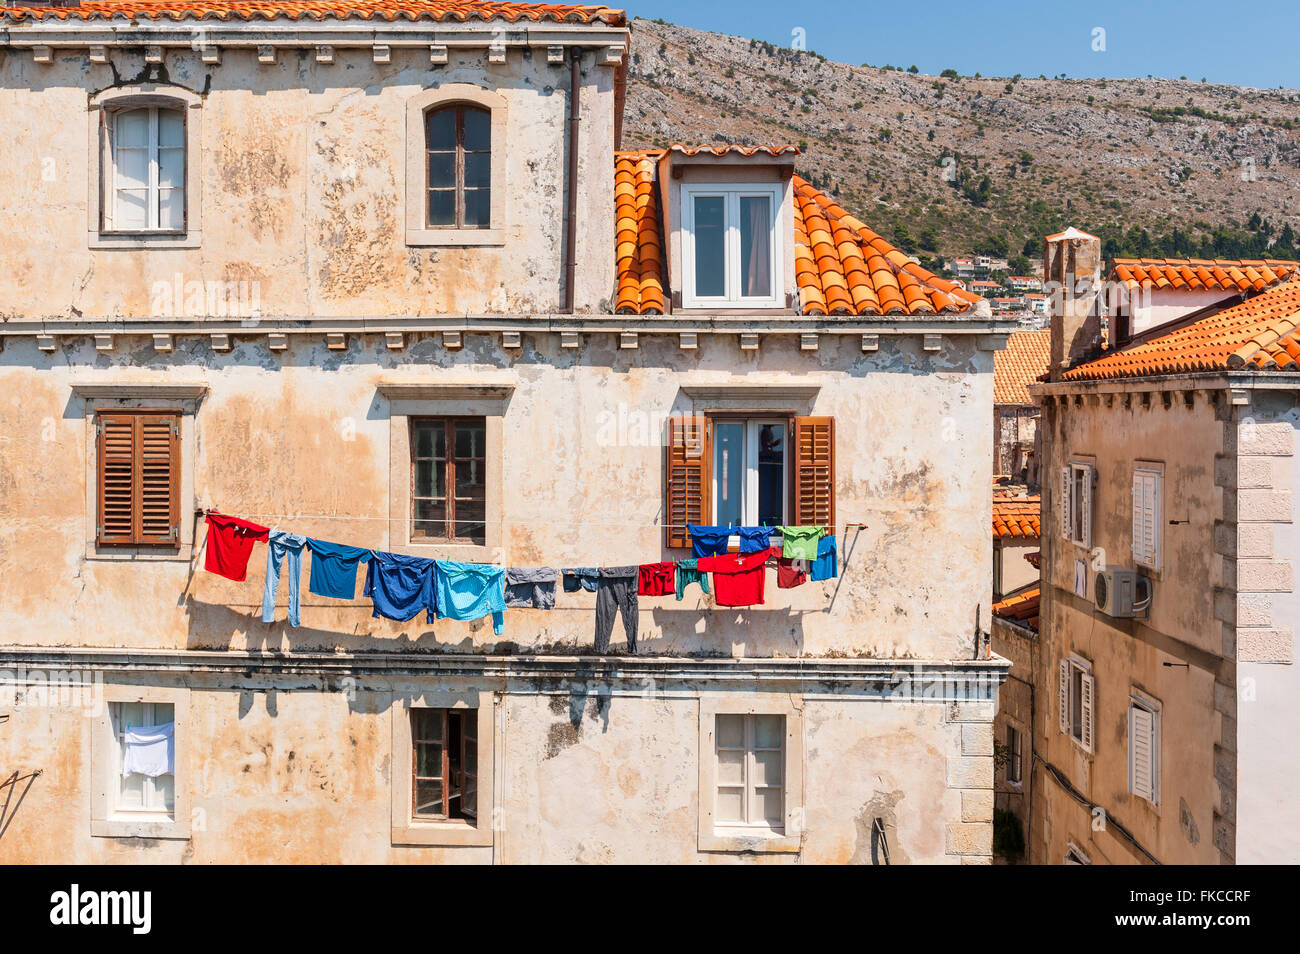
(149, 750)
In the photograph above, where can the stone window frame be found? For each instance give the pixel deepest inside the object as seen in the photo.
(416, 173)
(180, 399)
(100, 163)
(415, 400)
(723, 839)
(406, 830)
(105, 820)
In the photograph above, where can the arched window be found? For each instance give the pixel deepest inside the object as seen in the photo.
(458, 147)
(147, 188)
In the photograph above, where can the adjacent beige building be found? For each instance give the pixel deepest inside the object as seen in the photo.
(390, 283)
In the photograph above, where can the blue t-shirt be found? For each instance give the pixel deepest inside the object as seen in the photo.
(753, 539)
(469, 591)
(709, 541)
(334, 569)
(400, 586)
(825, 566)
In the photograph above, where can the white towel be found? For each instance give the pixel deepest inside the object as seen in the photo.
(149, 750)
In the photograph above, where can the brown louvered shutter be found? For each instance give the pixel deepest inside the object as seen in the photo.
(814, 461)
(686, 484)
(139, 478)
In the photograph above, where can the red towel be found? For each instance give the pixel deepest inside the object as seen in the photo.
(230, 542)
(656, 579)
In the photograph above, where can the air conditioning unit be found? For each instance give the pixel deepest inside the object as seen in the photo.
(1122, 593)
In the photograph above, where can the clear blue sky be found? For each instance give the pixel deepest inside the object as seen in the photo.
(1226, 41)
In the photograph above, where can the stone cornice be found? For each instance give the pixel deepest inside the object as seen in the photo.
(1202, 381)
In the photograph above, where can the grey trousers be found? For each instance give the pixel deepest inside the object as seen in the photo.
(616, 592)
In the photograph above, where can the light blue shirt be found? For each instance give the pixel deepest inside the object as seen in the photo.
(469, 591)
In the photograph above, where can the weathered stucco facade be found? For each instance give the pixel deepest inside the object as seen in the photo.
(292, 743)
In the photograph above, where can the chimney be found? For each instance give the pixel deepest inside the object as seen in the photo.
(1072, 280)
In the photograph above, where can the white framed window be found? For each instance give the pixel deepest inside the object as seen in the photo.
(1074, 855)
(1144, 747)
(1014, 754)
(1077, 701)
(147, 174)
(750, 471)
(1076, 502)
(1148, 508)
(145, 736)
(731, 246)
(750, 791)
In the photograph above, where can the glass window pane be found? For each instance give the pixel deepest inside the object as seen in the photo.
(164, 793)
(729, 472)
(131, 794)
(171, 209)
(731, 767)
(132, 128)
(442, 208)
(430, 436)
(132, 166)
(430, 519)
(428, 798)
(710, 246)
(478, 208)
(442, 170)
(426, 725)
(430, 478)
(769, 731)
(731, 731)
(767, 767)
(730, 807)
(770, 806)
(428, 761)
(771, 474)
(171, 128)
(478, 170)
(471, 438)
(440, 129)
(470, 515)
(755, 246)
(478, 130)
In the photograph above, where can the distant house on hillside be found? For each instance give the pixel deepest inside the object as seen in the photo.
(1025, 283)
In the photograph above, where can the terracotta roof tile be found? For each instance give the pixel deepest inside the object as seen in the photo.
(638, 240)
(1022, 362)
(1016, 517)
(438, 10)
(1021, 607)
(729, 149)
(1259, 334)
(1198, 274)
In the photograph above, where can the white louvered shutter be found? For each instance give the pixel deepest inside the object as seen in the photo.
(1146, 518)
(1085, 507)
(1142, 733)
(1065, 697)
(1139, 506)
(1157, 517)
(1065, 502)
(1086, 708)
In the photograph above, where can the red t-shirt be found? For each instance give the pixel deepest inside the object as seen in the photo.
(737, 578)
(657, 579)
(230, 542)
(790, 573)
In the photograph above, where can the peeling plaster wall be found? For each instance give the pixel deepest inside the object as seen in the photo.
(303, 187)
(301, 438)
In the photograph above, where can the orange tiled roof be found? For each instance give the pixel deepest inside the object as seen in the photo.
(1259, 334)
(440, 10)
(1021, 607)
(1016, 517)
(842, 267)
(1195, 274)
(1020, 363)
(638, 242)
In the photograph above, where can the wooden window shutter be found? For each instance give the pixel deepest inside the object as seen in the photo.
(1142, 730)
(1085, 508)
(1063, 687)
(1139, 518)
(139, 480)
(1067, 524)
(814, 484)
(1087, 706)
(686, 479)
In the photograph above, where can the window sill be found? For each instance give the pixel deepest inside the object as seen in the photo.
(142, 240)
(460, 552)
(140, 825)
(451, 833)
(456, 237)
(753, 840)
(139, 554)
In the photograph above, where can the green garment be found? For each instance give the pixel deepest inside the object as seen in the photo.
(687, 574)
(800, 543)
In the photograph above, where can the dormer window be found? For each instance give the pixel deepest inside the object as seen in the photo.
(731, 248)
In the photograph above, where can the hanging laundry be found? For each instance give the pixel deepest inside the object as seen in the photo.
(230, 543)
(586, 578)
(531, 587)
(800, 543)
(400, 586)
(754, 539)
(470, 591)
(281, 546)
(825, 567)
(616, 593)
(709, 541)
(688, 572)
(149, 750)
(791, 573)
(738, 578)
(656, 579)
(334, 569)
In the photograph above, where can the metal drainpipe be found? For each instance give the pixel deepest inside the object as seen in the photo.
(571, 201)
